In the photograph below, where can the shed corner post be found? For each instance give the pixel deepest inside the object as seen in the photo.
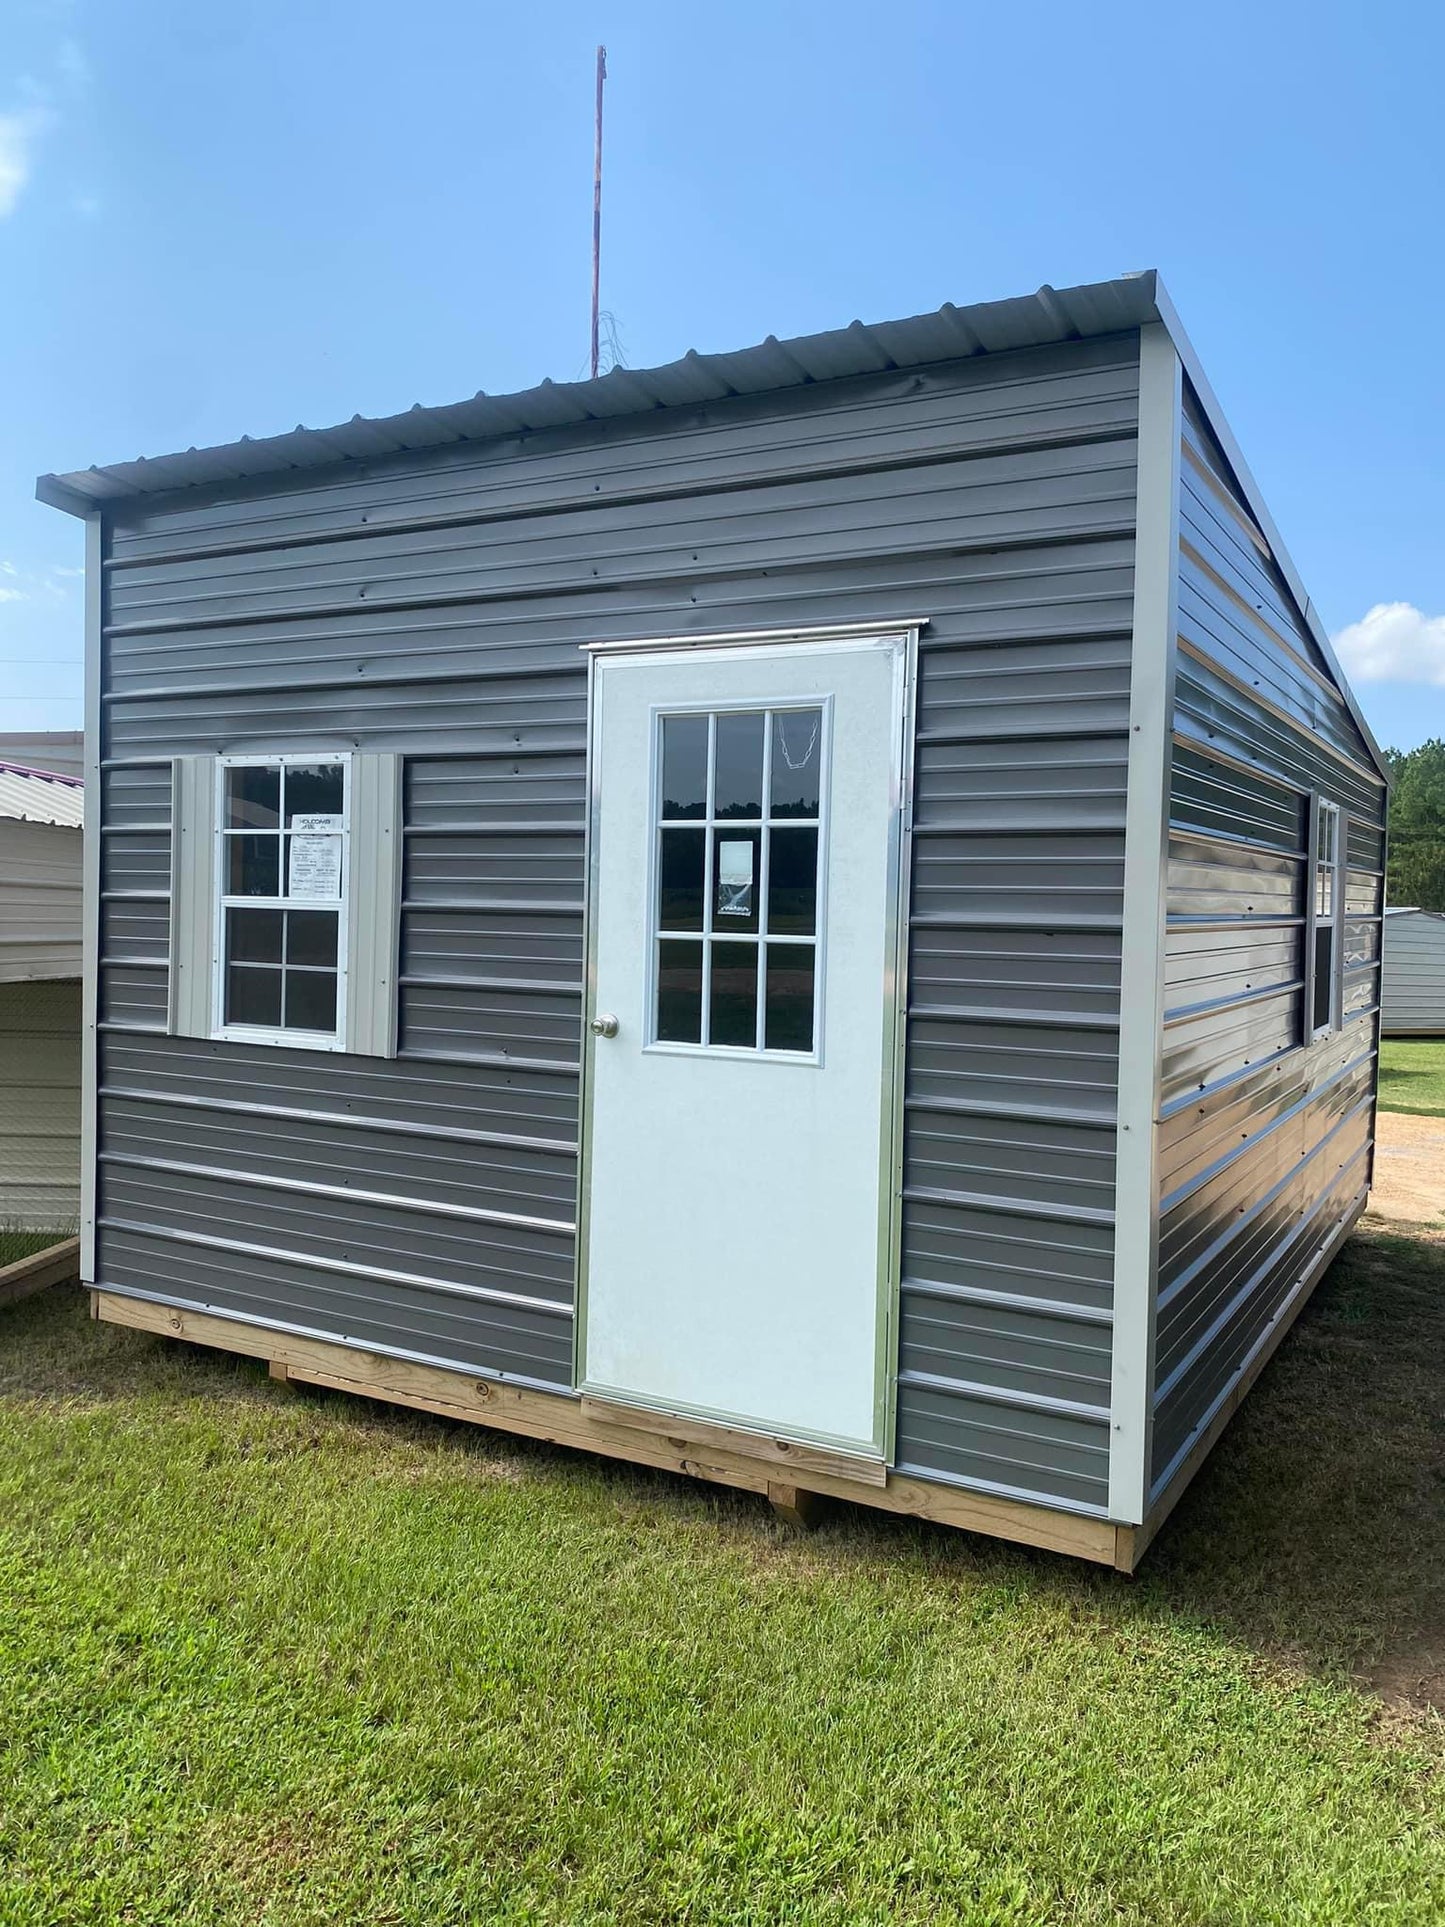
(90, 891)
(1146, 855)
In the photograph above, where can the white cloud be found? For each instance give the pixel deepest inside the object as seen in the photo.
(13, 595)
(17, 136)
(21, 129)
(1394, 642)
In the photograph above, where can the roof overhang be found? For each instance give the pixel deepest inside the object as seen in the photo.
(949, 334)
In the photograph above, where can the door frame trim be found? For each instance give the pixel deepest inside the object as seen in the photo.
(904, 631)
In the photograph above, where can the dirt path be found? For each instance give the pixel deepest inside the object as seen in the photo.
(1409, 1169)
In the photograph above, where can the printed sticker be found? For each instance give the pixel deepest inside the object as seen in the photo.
(734, 879)
(315, 872)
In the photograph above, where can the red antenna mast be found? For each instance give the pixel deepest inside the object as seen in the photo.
(597, 204)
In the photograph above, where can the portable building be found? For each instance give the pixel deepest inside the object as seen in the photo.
(809, 916)
(40, 989)
(1412, 998)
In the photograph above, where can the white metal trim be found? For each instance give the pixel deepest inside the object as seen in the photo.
(1321, 808)
(90, 893)
(221, 900)
(1146, 859)
(728, 638)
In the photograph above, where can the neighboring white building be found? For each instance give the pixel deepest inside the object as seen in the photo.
(40, 893)
(1412, 993)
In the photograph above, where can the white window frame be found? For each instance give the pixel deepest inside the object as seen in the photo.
(1326, 812)
(710, 826)
(223, 901)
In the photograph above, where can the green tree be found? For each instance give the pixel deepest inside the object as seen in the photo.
(1416, 868)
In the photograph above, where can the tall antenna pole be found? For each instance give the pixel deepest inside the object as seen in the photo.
(597, 204)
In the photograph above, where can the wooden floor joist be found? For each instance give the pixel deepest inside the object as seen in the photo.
(695, 1448)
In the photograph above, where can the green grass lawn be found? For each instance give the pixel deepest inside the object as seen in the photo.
(16, 1244)
(1412, 1075)
(275, 1657)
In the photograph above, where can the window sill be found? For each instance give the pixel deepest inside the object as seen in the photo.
(287, 1039)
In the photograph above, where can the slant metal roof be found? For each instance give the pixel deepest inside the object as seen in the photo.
(1068, 314)
(949, 334)
(41, 796)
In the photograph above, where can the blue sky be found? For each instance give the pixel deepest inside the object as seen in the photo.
(217, 220)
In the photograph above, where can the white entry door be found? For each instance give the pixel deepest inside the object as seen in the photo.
(746, 838)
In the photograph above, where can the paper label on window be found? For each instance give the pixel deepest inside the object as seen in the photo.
(734, 879)
(316, 825)
(315, 864)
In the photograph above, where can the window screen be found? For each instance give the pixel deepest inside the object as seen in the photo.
(737, 899)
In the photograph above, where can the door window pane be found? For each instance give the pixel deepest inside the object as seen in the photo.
(684, 766)
(797, 764)
(788, 1018)
(253, 996)
(751, 873)
(253, 798)
(792, 882)
(679, 992)
(310, 1000)
(255, 866)
(734, 1001)
(680, 879)
(738, 771)
(310, 936)
(735, 880)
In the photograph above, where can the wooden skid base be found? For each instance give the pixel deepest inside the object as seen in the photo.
(693, 1448)
(56, 1265)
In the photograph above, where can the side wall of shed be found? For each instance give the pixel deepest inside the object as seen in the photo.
(40, 893)
(40, 1105)
(1413, 995)
(1265, 1138)
(434, 607)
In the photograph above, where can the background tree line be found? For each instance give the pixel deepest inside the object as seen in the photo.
(1415, 873)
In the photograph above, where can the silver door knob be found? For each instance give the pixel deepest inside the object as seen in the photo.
(604, 1024)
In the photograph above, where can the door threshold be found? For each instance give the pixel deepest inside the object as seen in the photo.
(803, 1455)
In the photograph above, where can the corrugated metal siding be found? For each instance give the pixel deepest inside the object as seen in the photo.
(40, 890)
(435, 607)
(1264, 1141)
(40, 1105)
(1413, 973)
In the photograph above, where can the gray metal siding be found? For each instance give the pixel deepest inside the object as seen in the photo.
(1264, 1140)
(434, 607)
(1414, 974)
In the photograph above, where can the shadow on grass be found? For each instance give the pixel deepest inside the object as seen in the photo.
(1314, 1535)
(1316, 1530)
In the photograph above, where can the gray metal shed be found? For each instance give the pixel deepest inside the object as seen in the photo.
(40, 989)
(809, 916)
(1413, 992)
